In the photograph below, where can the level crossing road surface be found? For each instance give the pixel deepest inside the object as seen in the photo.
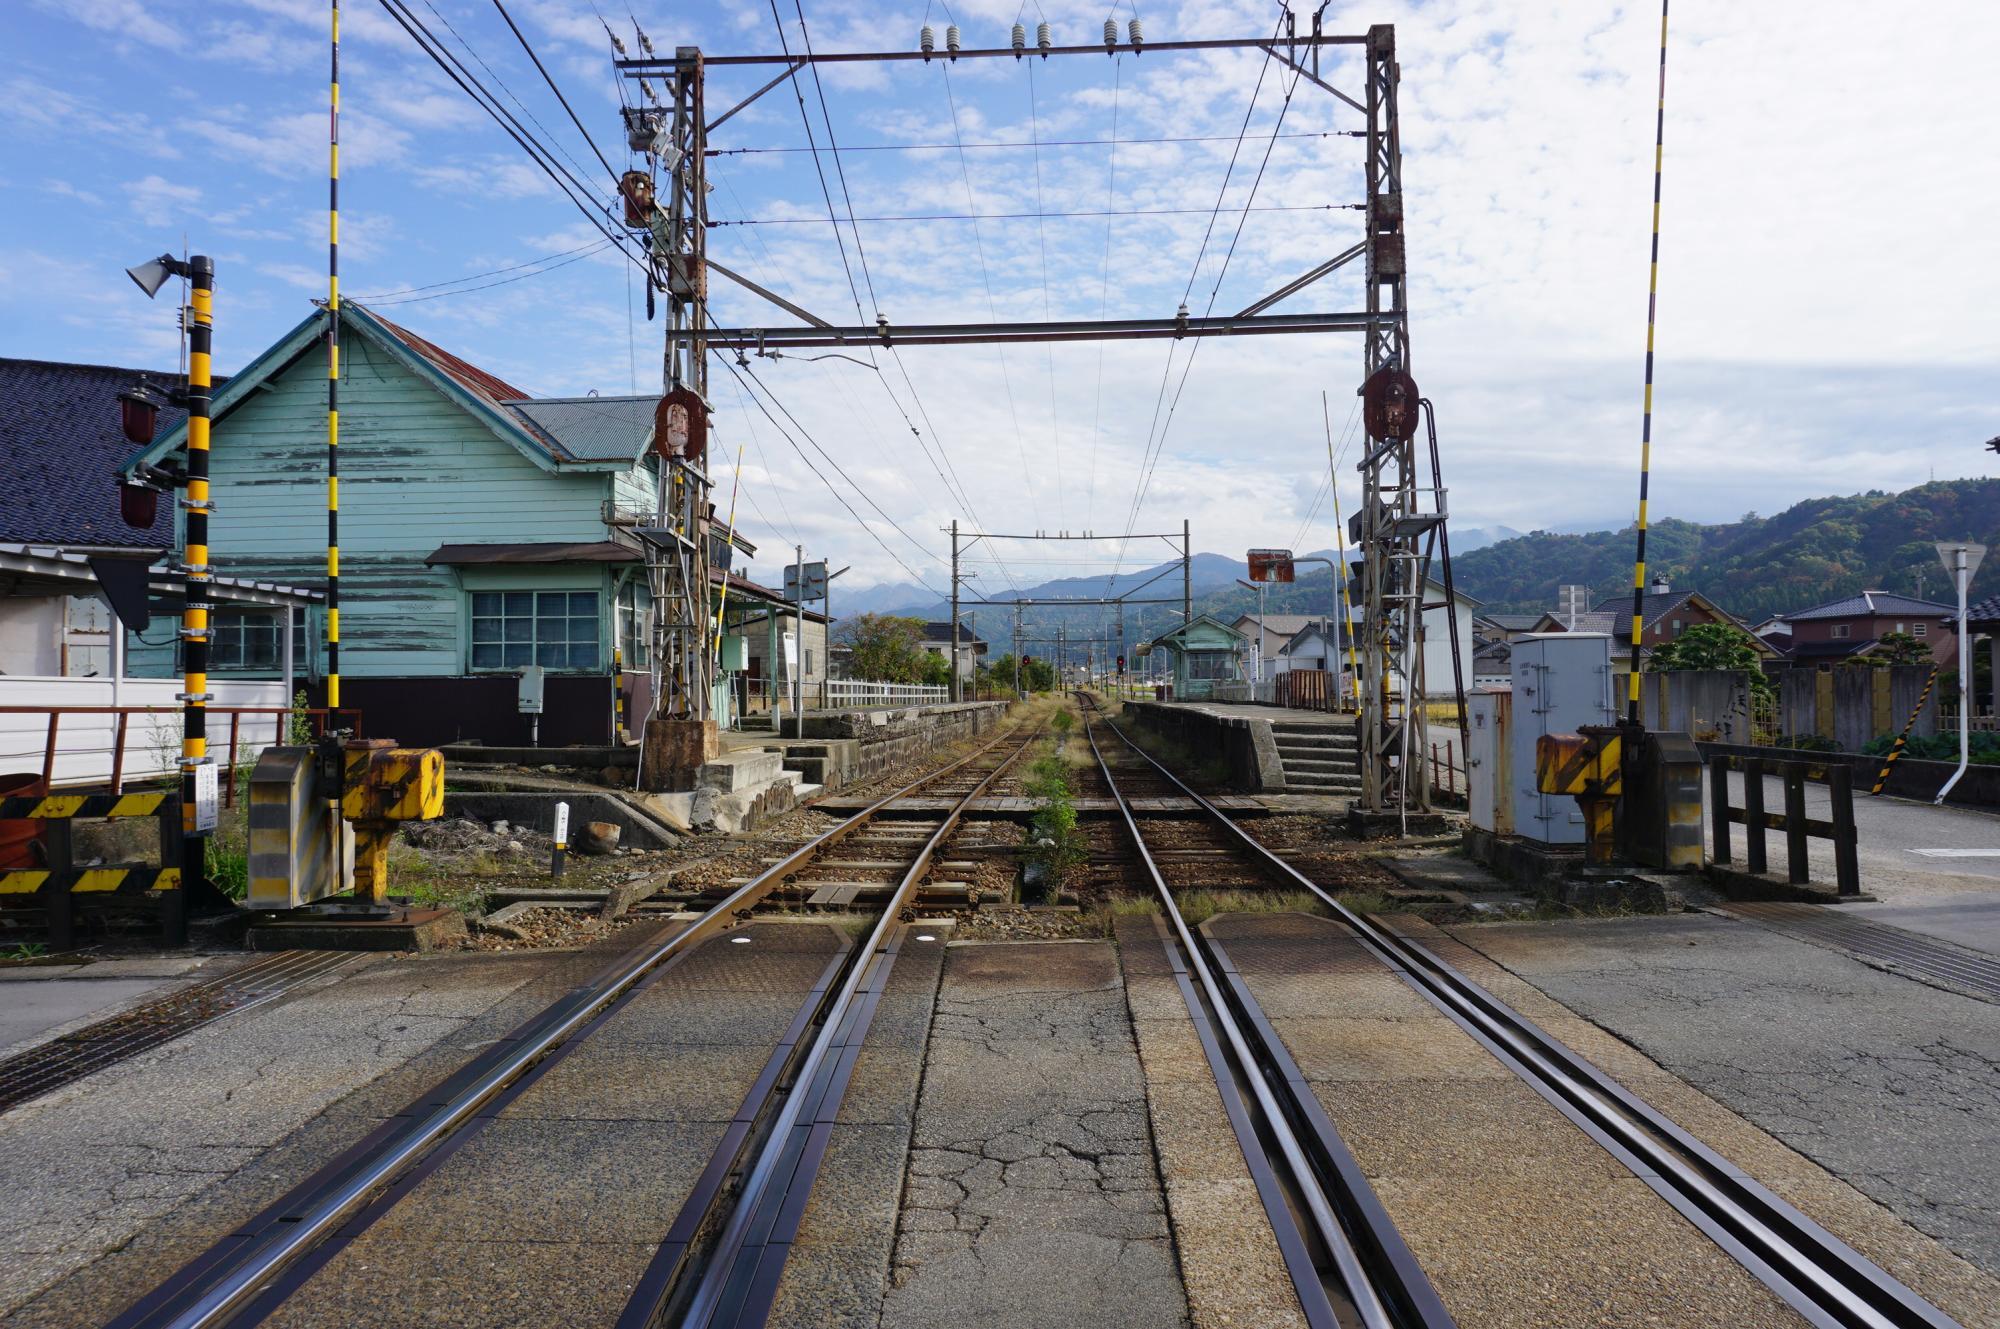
(1933, 869)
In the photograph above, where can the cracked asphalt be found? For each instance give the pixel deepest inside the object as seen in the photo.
(1891, 1085)
(1032, 1198)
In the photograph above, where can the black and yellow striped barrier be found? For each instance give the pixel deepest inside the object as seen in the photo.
(89, 881)
(57, 888)
(54, 807)
(1590, 767)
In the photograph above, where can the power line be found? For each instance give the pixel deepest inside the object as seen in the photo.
(576, 256)
(556, 90)
(429, 44)
(1104, 293)
(492, 272)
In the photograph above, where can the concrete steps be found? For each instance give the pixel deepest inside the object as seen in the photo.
(1317, 759)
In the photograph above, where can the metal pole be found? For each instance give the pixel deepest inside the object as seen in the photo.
(333, 380)
(954, 610)
(799, 643)
(1646, 427)
(199, 572)
(1187, 584)
(1963, 576)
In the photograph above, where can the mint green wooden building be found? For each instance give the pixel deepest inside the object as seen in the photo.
(1203, 652)
(482, 530)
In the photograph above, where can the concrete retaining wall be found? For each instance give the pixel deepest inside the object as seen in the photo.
(1243, 742)
(843, 747)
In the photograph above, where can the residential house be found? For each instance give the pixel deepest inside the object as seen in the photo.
(1850, 628)
(482, 530)
(1316, 645)
(1665, 614)
(1492, 665)
(1202, 653)
(1267, 644)
(1776, 633)
(971, 646)
(1489, 626)
(66, 553)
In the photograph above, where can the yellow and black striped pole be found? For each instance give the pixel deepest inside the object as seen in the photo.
(194, 612)
(1646, 431)
(1903, 739)
(333, 383)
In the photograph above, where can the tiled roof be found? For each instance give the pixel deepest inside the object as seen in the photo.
(61, 449)
(1656, 605)
(1870, 603)
(1513, 622)
(1983, 611)
(940, 631)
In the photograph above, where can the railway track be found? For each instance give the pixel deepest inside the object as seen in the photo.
(720, 1261)
(1823, 1279)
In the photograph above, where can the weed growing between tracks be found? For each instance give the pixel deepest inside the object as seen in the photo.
(1055, 843)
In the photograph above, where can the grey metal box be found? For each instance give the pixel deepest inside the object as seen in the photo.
(1562, 681)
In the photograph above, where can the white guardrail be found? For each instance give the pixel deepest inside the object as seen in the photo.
(86, 741)
(841, 693)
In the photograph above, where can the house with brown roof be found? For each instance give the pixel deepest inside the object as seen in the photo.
(483, 530)
(1852, 627)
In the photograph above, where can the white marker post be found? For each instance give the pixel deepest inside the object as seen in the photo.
(1961, 559)
(562, 841)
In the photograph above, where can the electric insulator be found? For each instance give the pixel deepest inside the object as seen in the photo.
(1138, 33)
(1042, 37)
(1020, 40)
(951, 40)
(1110, 33)
(927, 39)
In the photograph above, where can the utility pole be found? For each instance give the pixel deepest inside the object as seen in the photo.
(1187, 581)
(954, 610)
(799, 642)
(1017, 649)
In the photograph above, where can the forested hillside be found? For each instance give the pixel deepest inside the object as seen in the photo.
(1757, 566)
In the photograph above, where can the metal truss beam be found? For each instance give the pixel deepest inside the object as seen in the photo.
(953, 334)
(1293, 287)
(662, 67)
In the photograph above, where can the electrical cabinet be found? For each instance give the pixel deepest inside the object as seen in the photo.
(1488, 773)
(1562, 682)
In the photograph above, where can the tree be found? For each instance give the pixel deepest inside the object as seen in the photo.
(1898, 648)
(887, 649)
(1713, 646)
(1036, 675)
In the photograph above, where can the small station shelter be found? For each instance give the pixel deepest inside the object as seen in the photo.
(1202, 653)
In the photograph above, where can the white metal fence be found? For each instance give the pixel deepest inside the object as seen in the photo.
(87, 740)
(841, 693)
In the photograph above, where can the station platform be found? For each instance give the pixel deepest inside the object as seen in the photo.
(1266, 749)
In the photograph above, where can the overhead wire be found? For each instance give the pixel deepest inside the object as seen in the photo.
(1104, 293)
(1139, 490)
(962, 496)
(977, 217)
(993, 309)
(546, 78)
(576, 257)
(454, 69)
(491, 272)
(1042, 245)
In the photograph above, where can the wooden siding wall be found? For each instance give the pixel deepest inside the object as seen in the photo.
(416, 471)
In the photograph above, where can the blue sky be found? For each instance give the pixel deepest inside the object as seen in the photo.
(1827, 280)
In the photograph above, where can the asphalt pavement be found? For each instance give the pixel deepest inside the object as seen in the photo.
(1933, 869)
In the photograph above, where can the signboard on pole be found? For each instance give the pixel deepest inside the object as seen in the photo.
(1271, 565)
(815, 582)
(1948, 555)
(207, 795)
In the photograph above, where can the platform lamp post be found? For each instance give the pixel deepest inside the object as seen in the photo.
(1258, 587)
(198, 770)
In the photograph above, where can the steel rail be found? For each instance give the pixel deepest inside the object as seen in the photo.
(1823, 1278)
(215, 1293)
(1389, 1266)
(719, 1295)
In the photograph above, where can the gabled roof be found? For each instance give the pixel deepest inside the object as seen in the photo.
(1211, 620)
(939, 632)
(1983, 611)
(62, 450)
(1512, 622)
(1868, 604)
(1655, 606)
(1314, 627)
(555, 433)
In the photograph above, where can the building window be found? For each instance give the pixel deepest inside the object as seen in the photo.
(1839, 631)
(1920, 629)
(242, 641)
(553, 629)
(635, 613)
(1679, 623)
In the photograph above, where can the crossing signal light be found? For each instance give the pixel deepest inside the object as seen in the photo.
(1121, 664)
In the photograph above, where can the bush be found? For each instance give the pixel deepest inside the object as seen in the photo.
(1985, 747)
(1808, 743)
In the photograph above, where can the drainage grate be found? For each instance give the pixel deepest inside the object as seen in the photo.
(67, 1059)
(1919, 954)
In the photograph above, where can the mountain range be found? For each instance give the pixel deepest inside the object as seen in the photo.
(1813, 551)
